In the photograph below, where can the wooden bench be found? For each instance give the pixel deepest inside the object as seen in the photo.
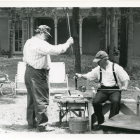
(68, 105)
(106, 107)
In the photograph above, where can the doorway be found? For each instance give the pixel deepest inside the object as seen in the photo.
(49, 22)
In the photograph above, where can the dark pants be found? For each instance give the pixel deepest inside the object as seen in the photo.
(101, 96)
(37, 96)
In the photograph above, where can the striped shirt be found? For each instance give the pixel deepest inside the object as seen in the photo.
(36, 52)
(107, 75)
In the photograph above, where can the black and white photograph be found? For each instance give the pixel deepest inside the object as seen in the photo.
(69, 68)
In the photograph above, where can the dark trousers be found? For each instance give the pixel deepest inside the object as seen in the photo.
(101, 96)
(37, 96)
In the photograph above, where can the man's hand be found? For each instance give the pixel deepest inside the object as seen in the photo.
(125, 85)
(124, 88)
(78, 75)
(70, 41)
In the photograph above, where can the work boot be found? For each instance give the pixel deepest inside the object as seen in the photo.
(45, 128)
(97, 127)
(30, 126)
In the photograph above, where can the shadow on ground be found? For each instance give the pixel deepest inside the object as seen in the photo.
(10, 98)
(113, 130)
(4, 100)
(65, 125)
(15, 127)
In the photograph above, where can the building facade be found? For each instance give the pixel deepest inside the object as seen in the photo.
(89, 39)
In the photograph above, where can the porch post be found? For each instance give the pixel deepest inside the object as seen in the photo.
(32, 26)
(116, 33)
(108, 34)
(55, 27)
(80, 33)
(28, 22)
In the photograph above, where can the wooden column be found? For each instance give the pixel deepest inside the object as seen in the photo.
(55, 29)
(31, 26)
(80, 33)
(109, 33)
(28, 22)
(116, 33)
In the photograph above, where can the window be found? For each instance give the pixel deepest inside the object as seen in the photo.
(19, 36)
(24, 32)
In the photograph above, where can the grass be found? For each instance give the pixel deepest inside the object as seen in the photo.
(17, 115)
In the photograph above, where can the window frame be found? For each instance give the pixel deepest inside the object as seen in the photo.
(24, 24)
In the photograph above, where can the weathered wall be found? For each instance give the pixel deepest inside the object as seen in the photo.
(63, 32)
(4, 34)
(90, 34)
(91, 40)
(136, 51)
(49, 22)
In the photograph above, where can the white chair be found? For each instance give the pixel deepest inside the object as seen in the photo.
(19, 77)
(58, 79)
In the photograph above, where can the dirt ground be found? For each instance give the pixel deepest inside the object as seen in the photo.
(13, 115)
(13, 108)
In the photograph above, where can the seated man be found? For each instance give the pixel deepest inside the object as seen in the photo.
(110, 76)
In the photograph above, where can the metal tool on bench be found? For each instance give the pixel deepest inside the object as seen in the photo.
(75, 77)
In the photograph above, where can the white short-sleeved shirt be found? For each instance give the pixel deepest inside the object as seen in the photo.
(107, 75)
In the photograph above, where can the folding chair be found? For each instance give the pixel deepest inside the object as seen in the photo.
(4, 79)
(19, 77)
(58, 79)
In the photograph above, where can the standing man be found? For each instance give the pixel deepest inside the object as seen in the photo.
(110, 76)
(35, 54)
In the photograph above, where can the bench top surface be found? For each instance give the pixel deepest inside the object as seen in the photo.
(71, 100)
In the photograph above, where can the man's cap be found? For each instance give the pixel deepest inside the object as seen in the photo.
(99, 56)
(44, 28)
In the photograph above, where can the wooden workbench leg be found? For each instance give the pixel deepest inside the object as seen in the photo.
(60, 118)
(80, 114)
(83, 114)
(138, 111)
(90, 122)
(90, 116)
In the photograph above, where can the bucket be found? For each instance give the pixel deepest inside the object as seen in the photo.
(78, 124)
